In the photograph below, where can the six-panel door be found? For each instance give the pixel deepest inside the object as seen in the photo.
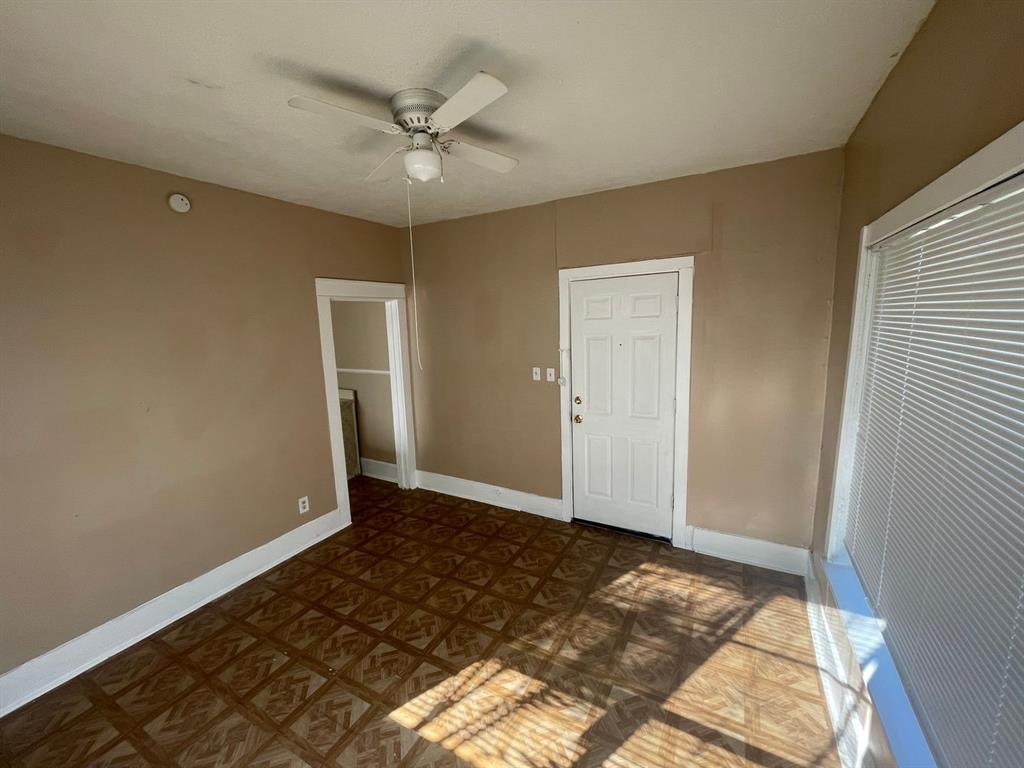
(623, 336)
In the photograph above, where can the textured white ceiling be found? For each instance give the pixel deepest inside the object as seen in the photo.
(602, 94)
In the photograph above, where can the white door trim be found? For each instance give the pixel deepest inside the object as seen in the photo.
(393, 297)
(683, 265)
(990, 165)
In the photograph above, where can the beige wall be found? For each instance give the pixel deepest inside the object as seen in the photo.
(488, 303)
(764, 239)
(162, 393)
(361, 341)
(957, 87)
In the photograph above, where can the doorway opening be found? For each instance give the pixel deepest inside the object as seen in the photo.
(365, 350)
(624, 338)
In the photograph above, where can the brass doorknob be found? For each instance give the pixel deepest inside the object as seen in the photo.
(578, 419)
(577, 400)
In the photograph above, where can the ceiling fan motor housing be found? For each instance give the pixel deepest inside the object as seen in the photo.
(412, 108)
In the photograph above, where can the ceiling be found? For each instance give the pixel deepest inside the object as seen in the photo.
(601, 94)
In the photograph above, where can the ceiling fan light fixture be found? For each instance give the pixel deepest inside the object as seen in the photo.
(423, 164)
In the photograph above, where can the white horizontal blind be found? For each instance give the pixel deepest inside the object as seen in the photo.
(935, 526)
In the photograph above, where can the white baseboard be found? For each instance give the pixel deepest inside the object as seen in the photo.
(382, 470)
(741, 549)
(840, 695)
(43, 673)
(490, 494)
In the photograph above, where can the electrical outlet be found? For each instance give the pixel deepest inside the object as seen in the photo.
(551, 374)
(304, 505)
(536, 374)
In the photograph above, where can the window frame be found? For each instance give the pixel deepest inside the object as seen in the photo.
(991, 165)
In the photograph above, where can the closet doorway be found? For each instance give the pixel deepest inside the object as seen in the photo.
(365, 350)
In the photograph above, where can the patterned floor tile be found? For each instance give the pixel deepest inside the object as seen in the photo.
(572, 694)
(275, 613)
(90, 734)
(534, 560)
(121, 755)
(485, 636)
(425, 689)
(380, 743)
(436, 756)
(252, 668)
(463, 644)
(316, 585)
(193, 630)
(277, 755)
(342, 646)
(380, 668)
(383, 572)
(221, 647)
(419, 629)
(498, 551)
(330, 718)
(289, 573)
(155, 692)
(515, 532)
(450, 597)
(129, 667)
(225, 745)
(556, 595)
(543, 630)
(324, 552)
(353, 563)
(574, 569)
(384, 544)
(45, 716)
(285, 693)
(246, 598)
(347, 598)
(514, 584)
(413, 586)
(490, 611)
(442, 562)
(588, 643)
(476, 572)
(551, 541)
(467, 542)
(307, 629)
(184, 718)
(411, 551)
(382, 611)
(651, 669)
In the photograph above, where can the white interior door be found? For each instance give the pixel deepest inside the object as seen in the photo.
(623, 350)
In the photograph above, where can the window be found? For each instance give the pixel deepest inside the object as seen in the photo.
(933, 486)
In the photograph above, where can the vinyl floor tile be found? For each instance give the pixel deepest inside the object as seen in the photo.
(443, 633)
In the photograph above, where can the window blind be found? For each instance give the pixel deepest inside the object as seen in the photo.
(935, 526)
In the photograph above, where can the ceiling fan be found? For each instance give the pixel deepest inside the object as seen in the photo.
(424, 117)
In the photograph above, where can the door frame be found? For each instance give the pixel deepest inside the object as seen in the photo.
(392, 295)
(683, 267)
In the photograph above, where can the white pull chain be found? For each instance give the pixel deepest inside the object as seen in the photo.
(412, 257)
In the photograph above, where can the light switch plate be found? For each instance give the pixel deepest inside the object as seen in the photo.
(551, 374)
(536, 374)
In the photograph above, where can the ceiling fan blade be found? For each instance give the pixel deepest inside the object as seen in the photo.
(387, 168)
(485, 158)
(333, 110)
(481, 90)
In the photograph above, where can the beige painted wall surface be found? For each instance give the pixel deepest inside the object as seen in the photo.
(488, 302)
(163, 403)
(957, 87)
(764, 239)
(361, 341)
(360, 334)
